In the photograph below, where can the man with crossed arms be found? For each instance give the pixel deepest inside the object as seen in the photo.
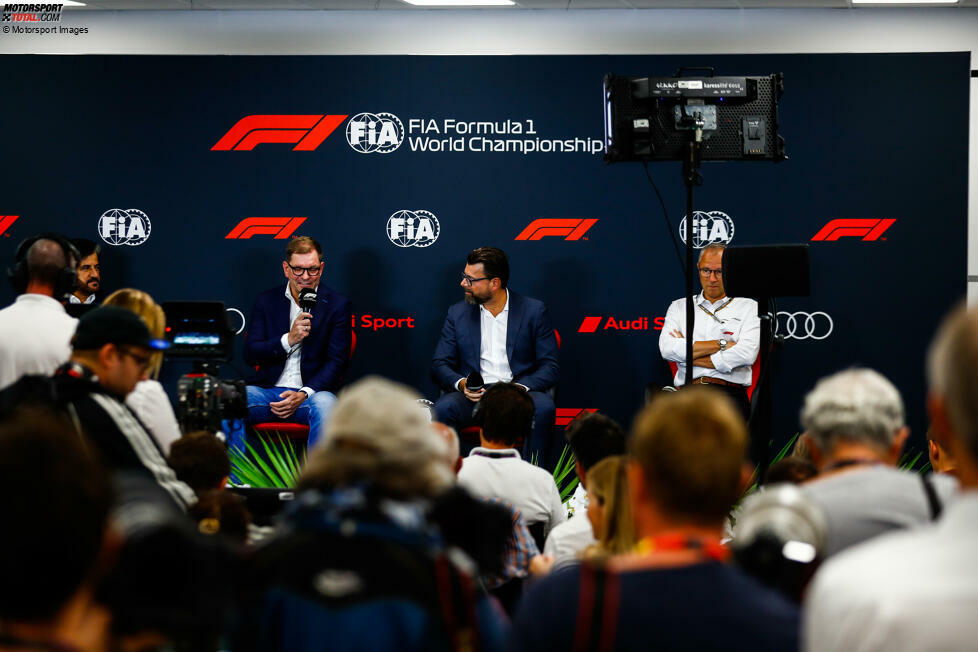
(726, 334)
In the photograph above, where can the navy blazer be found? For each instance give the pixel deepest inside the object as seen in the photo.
(325, 351)
(531, 345)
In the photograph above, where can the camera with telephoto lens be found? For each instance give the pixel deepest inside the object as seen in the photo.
(199, 331)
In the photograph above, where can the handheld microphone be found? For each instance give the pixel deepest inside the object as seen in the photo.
(474, 382)
(307, 299)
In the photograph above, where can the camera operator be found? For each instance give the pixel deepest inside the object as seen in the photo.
(35, 329)
(111, 351)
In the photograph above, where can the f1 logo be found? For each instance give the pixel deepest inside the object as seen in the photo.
(868, 229)
(571, 229)
(566, 415)
(6, 221)
(307, 131)
(280, 227)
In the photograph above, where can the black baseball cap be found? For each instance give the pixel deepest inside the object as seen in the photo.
(112, 325)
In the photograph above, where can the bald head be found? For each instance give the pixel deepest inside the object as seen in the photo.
(45, 260)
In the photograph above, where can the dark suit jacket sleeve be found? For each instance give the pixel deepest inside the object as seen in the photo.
(336, 351)
(445, 364)
(547, 369)
(263, 344)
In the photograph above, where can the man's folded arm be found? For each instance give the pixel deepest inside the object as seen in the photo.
(671, 347)
(744, 352)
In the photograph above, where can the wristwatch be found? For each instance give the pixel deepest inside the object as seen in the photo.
(723, 344)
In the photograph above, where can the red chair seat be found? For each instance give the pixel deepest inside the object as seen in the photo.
(290, 430)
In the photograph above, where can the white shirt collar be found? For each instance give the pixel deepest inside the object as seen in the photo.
(702, 300)
(484, 310)
(40, 300)
(494, 452)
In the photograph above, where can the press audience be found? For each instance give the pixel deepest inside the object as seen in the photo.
(356, 565)
(55, 499)
(149, 400)
(854, 424)
(201, 460)
(593, 438)
(35, 330)
(674, 592)
(495, 469)
(916, 590)
(609, 508)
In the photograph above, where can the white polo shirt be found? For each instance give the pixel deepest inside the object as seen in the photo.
(503, 474)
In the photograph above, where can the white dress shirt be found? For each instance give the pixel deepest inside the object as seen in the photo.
(502, 474)
(913, 590)
(732, 319)
(73, 299)
(493, 361)
(292, 373)
(35, 336)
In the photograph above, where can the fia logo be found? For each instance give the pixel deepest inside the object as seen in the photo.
(129, 226)
(413, 228)
(709, 227)
(370, 133)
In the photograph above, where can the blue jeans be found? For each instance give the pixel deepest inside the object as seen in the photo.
(314, 411)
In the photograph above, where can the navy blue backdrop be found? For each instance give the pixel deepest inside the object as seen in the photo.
(88, 134)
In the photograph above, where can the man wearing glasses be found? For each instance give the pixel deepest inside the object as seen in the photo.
(504, 337)
(726, 334)
(300, 356)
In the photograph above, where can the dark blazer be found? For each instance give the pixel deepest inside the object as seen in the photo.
(325, 351)
(531, 345)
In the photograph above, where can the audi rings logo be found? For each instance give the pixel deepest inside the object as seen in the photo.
(804, 325)
(370, 133)
(709, 227)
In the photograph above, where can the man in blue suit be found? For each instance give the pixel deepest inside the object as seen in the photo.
(503, 336)
(300, 356)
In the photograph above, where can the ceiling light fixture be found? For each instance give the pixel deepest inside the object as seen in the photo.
(904, 2)
(460, 3)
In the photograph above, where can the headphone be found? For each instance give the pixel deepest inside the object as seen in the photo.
(67, 279)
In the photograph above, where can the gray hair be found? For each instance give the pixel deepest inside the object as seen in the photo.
(377, 435)
(858, 405)
(713, 246)
(952, 373)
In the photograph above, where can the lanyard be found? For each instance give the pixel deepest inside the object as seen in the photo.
(709, 548)
(714, 313)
